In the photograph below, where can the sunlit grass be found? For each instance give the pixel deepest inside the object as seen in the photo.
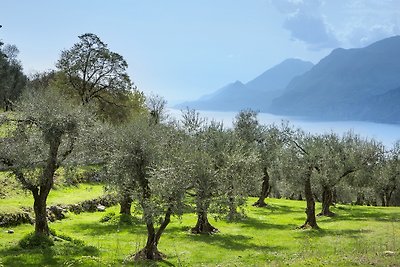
(267, 237)
(63, 195)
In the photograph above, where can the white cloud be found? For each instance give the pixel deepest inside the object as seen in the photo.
(306, 23)
(369, 21)
(312, 30)
(329, 24)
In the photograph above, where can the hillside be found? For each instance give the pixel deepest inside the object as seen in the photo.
(256, 94)
(348, 84)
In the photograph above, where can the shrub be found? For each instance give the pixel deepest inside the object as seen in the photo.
(31, 241)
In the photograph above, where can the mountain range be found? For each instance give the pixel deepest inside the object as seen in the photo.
(256, 94)
(348, 84)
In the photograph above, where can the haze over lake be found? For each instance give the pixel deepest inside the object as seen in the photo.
(388, 134)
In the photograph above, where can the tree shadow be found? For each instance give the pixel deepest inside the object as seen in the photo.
(96, 229)
(349, 213)
(51, 256)
(349, 233)
(250, 222)
(372, 213)
(230, 241)
(275, 210)
(146, 263)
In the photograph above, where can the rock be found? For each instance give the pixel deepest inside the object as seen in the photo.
(10, 231)
(11, 219)
(389, 253)
(101, 207)
(55, 213)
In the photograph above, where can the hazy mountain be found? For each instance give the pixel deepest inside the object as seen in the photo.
(256, 94)
(348, 84)
(382, 108)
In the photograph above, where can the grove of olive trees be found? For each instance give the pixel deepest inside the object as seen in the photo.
(164, 167)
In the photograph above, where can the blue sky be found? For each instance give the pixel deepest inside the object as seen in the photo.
(183, 49)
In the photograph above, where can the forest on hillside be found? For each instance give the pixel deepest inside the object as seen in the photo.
(88, 112)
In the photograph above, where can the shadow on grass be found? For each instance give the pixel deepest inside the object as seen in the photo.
(366, 213)
(230, 241)
(97, 228)
(349, 233)
(56, 255)
(251, 222)
(359, 213)
(275, 210)
(147, 263)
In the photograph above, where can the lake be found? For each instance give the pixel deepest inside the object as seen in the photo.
(388, 134)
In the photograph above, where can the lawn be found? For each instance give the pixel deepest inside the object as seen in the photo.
(63, 195)
(358, 236)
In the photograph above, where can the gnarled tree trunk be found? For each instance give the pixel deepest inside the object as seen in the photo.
(203, 226)
(233, 214)
(125, 204)
(265, 190)
(150, 251)
(327, 201)
(39, 207)
(46, 183)
(360, 199)
(311, 220)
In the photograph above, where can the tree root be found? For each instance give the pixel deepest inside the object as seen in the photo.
(328, 214)
(204, 229)
(260, 204)
(143, 255)
(308, 226)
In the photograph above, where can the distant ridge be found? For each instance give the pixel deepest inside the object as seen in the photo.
(348, 84)
(256, 94)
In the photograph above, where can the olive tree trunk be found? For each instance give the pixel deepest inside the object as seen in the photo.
(125, 204)
(265, 190)
(327, 201)
(203, 226)
(150, 251)
(39, 207)
(311, 220)
(41, 192)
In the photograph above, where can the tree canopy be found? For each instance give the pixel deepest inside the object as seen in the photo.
(93, 71)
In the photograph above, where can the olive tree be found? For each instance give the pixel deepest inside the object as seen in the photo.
(298, 161)
(44, 133)
(266, 141)
(339, 158)
(223, 170)
(238, 166)
(147, 161)
(388, 179)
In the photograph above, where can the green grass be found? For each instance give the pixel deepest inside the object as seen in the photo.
(358, 236)
(62, 195)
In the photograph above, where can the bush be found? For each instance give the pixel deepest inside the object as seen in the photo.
(32, 240)
(109, 216)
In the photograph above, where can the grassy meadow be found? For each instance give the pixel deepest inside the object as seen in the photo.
(358, 236)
